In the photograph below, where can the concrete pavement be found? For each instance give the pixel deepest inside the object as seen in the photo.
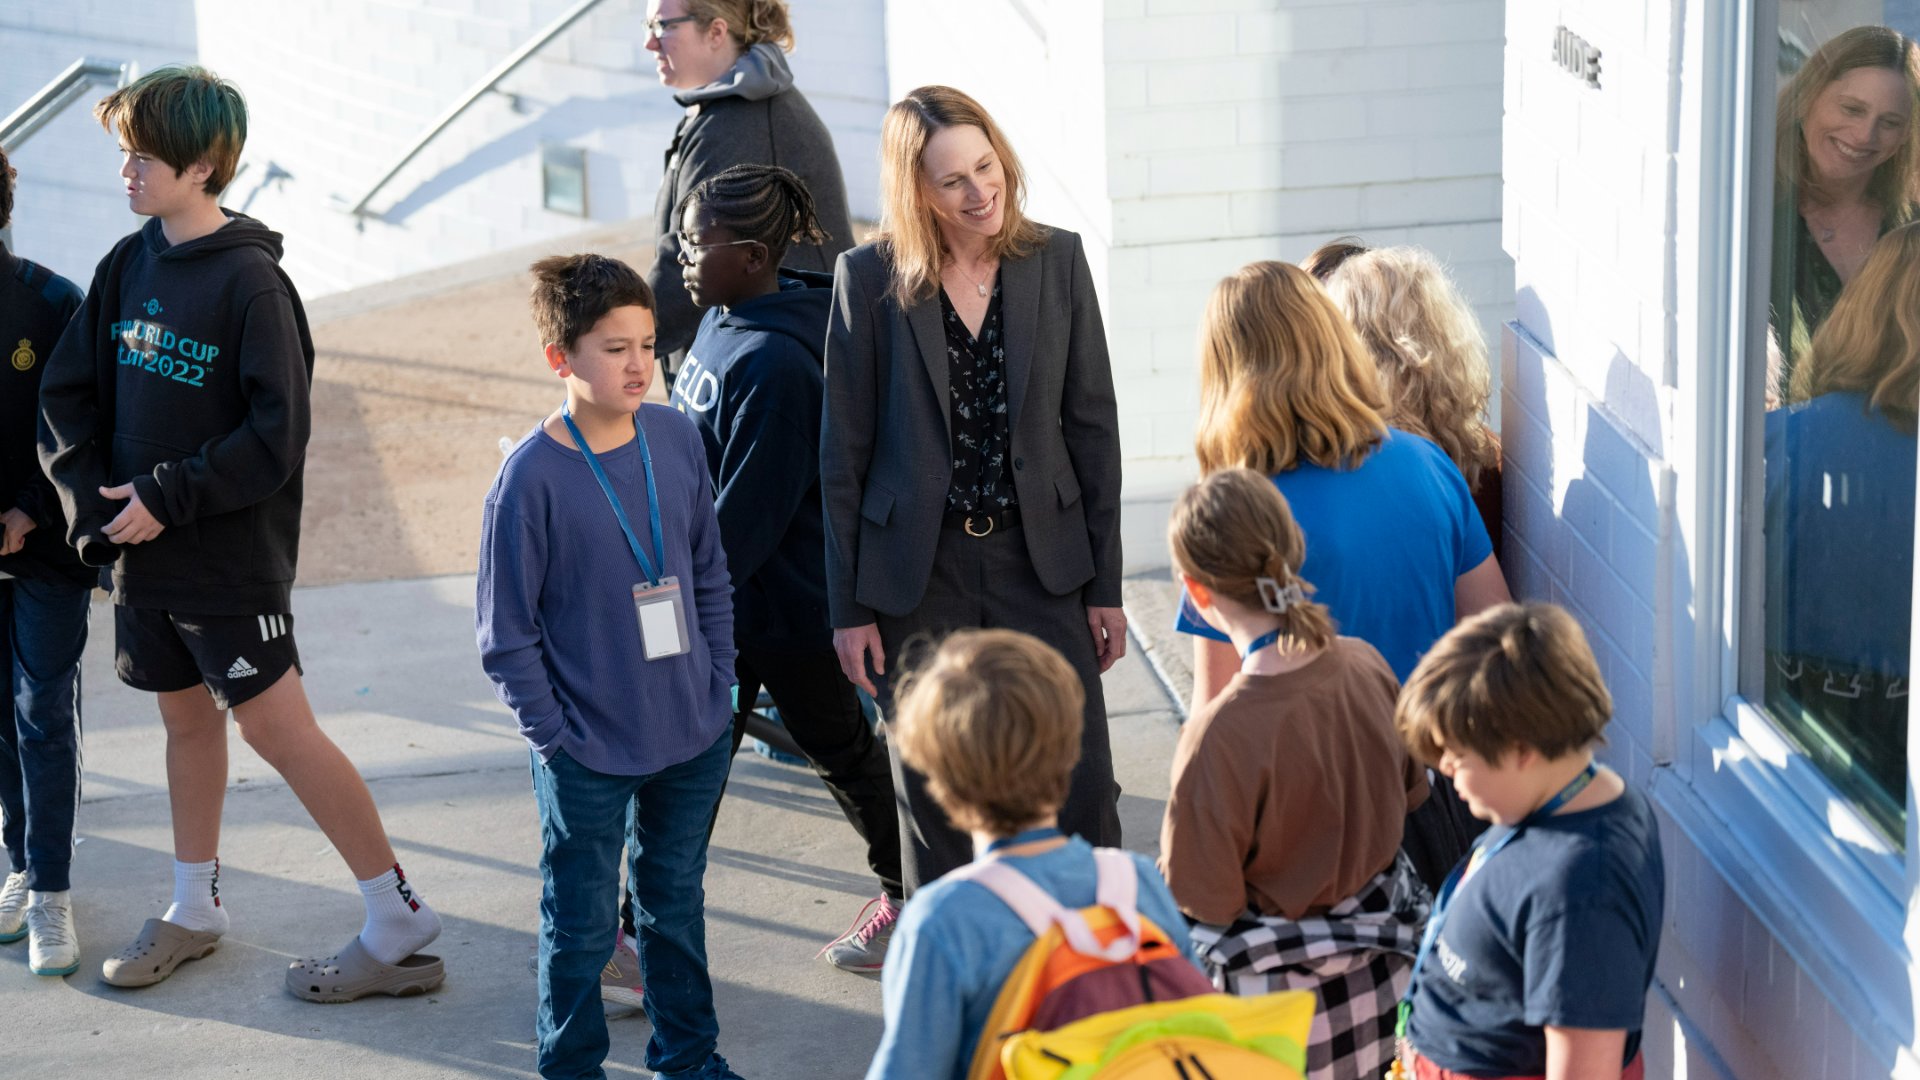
(392, 671)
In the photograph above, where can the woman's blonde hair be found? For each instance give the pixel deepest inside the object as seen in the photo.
(1870, 344)
(1427, 343)
(749, 22)
(908, 230)
(1283, 377)
(1233, 529)
(992, 719)
(1895, 185)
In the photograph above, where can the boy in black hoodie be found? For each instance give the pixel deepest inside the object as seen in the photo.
(174, 419)
(43, 627)
(752, 383)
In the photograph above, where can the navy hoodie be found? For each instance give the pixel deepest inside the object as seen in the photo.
(752, 384)
(187, 374)
(35, 306)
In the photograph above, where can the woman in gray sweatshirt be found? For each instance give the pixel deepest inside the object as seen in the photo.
(726, 62)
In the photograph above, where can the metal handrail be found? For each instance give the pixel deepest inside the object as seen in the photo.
(488, 82)
(65, 88)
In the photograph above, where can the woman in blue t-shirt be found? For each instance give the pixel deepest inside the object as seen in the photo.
(1394, 543)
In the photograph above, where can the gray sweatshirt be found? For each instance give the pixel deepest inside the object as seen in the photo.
(750, 115)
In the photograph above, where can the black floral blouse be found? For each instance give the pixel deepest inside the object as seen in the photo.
(977, 388)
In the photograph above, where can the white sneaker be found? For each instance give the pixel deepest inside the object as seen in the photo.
(54, 948)
(13, 908)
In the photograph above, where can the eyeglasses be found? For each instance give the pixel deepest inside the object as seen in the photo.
(659, 27)
(688, 248)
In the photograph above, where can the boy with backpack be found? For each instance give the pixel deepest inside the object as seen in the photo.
(993, 719)
(1291, 788)
(606, 624)
(752, 382)
(174, 422)
(1541, 947)
(44, 592)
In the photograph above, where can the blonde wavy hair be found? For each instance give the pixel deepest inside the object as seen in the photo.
(1427, 343)
(908, 231)
(1870, 344)
(1283, 377)
(749, 22)
(1232, 529)
(993, 720)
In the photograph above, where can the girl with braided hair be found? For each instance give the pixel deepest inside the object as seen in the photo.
(1290, 788)
(752, 384)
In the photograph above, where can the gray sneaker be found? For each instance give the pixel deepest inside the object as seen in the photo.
(620, 989)
(864, 946)
(13, 908)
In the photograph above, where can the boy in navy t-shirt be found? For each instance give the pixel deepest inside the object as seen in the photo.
(1542, 944)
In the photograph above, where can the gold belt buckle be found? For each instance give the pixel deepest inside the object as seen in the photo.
(968, 525)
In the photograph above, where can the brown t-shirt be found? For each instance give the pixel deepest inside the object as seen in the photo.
(1290, 791)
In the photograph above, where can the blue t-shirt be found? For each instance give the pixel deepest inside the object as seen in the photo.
(1385, 543)
(1840, 501)
(957, 942)
(1560, 928)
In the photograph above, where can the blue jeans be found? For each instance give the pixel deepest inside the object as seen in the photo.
(43, 631)
(662, 819)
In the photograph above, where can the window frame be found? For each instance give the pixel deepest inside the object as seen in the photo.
(1754, 806)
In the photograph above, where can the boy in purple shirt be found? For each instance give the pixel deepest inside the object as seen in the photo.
(606, 624)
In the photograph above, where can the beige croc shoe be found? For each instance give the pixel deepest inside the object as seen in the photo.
(354, 973)
(161, 947)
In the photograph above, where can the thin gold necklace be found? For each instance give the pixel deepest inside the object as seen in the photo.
(978, 285)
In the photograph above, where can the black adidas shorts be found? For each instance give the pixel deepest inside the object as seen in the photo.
(237, 657)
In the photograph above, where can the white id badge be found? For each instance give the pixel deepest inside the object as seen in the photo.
(663, 618)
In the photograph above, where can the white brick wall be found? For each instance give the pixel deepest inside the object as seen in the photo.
(336, 90)
(1599, 438)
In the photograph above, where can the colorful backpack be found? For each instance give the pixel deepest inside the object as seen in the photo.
(1104, 992)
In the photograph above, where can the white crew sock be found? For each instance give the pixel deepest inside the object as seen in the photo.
(196, 897)
(399, 922)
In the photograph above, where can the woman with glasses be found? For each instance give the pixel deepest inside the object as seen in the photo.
(726, 62)
(970, 462)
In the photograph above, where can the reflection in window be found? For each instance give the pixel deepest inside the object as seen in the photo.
(1843, 387)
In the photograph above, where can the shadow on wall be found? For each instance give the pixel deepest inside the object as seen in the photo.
(569, 119)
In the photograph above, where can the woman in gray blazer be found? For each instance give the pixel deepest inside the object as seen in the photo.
(970, 457)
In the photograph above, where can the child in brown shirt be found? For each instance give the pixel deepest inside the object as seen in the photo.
(1291, 788)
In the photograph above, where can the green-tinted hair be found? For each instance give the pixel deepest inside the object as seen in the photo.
(181, 114)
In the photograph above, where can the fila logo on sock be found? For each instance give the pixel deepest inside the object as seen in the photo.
(216, 881)
(400, 883)
(241, 669)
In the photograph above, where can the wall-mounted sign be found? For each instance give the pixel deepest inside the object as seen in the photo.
(563, 179)
(1576, 57)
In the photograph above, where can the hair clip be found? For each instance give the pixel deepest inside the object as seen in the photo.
(1277, 597)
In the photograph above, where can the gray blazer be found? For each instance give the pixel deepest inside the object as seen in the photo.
(886, 448)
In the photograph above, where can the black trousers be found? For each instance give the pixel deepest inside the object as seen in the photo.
(821, 710)
(981, 583)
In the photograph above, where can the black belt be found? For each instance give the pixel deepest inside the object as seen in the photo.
(981, 522)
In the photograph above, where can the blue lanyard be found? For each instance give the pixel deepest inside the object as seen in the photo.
(1478, 857)
(1259, 643)
(1029, 837)
(653, 498)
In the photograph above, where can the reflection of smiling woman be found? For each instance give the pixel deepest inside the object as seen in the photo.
(1848, 170)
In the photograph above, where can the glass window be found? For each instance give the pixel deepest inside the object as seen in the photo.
(1842, 390)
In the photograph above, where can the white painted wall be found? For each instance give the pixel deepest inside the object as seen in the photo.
(1607, 491)
(337, 90)
(68, 202)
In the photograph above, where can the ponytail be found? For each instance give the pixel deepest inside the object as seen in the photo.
(1234, 533)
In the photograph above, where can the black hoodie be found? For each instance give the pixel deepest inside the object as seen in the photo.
(186, 374)
(752, 383)
(35, 306)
